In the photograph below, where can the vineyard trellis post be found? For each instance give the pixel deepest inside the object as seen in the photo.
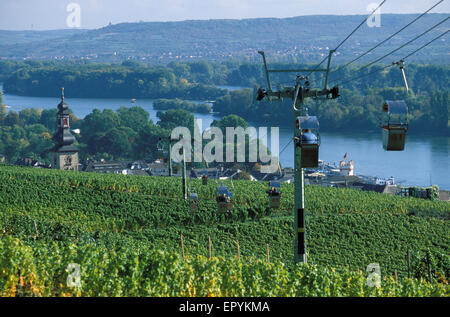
(238, 251)
(36, 230)
(209, 245)
(408, 260)
(182, 248)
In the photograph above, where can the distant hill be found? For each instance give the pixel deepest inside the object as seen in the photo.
(299, 39)
(23, 37)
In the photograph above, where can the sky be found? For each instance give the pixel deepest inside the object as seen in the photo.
(53, 14)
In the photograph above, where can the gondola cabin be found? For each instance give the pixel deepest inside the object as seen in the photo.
(224, 199)
(309, 141)
(395, 125)
(274, 194)
(193, 201)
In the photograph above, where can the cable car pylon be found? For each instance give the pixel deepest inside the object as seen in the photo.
(302, 136)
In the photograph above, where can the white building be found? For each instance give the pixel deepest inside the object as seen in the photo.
(346, 168)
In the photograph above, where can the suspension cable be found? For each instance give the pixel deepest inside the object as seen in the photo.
(342, 42)
(388, 66)
(425, 45)
(402, 46)
(387, 39)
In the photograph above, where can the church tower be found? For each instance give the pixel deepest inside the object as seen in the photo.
(65, 155)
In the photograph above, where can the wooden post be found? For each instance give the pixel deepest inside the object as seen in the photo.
(35, 229)
(239, 252)
(395, 274)
(19, 290)
(429, 266)
(408, 261)
(209, 240)
(182, 248)
(268, 254)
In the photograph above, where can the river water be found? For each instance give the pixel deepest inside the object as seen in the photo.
(424, 161)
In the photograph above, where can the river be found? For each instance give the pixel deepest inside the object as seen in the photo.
(424, 161)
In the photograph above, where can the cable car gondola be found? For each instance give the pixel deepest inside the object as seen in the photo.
(309, 141)
(193, 201)
(224, 199)
(274, 194)
(395, 125)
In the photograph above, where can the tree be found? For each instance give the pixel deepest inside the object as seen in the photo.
(232, 120)
(115, 142)
(48, 118)
(180, 69)
(2, 109)
(99, 122)
(135, 117)
(13, 119)
(176, 118)
(201, 71)
(147, 141)
(439, 104)
(30, 115)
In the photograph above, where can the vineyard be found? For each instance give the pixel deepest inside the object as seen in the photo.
(125, 232)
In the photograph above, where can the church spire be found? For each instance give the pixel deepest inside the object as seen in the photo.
(65, 154)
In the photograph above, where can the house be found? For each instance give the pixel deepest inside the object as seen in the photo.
(229, 174)
(30, 162)
(106, 167)
(211, 172)
(158, 168)
(444, 195)
(139, 172)
(338, 181)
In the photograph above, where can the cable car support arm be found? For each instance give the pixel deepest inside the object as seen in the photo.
(298, 93)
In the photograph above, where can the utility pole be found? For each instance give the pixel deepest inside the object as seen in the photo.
(184, 177)
(184, 174)
(170, 156)
(298, 94)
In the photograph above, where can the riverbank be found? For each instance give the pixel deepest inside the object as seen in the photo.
(423, 162)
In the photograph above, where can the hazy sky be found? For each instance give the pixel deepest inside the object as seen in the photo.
(52, 14)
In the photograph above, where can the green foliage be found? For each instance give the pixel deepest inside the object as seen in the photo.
(173, 118)
(106, 81)
(232, 121)
(346, 229)
(357, 109)
(127, 133)
(431, 192)
(166, 104)
(43, 269)
(3, 111)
